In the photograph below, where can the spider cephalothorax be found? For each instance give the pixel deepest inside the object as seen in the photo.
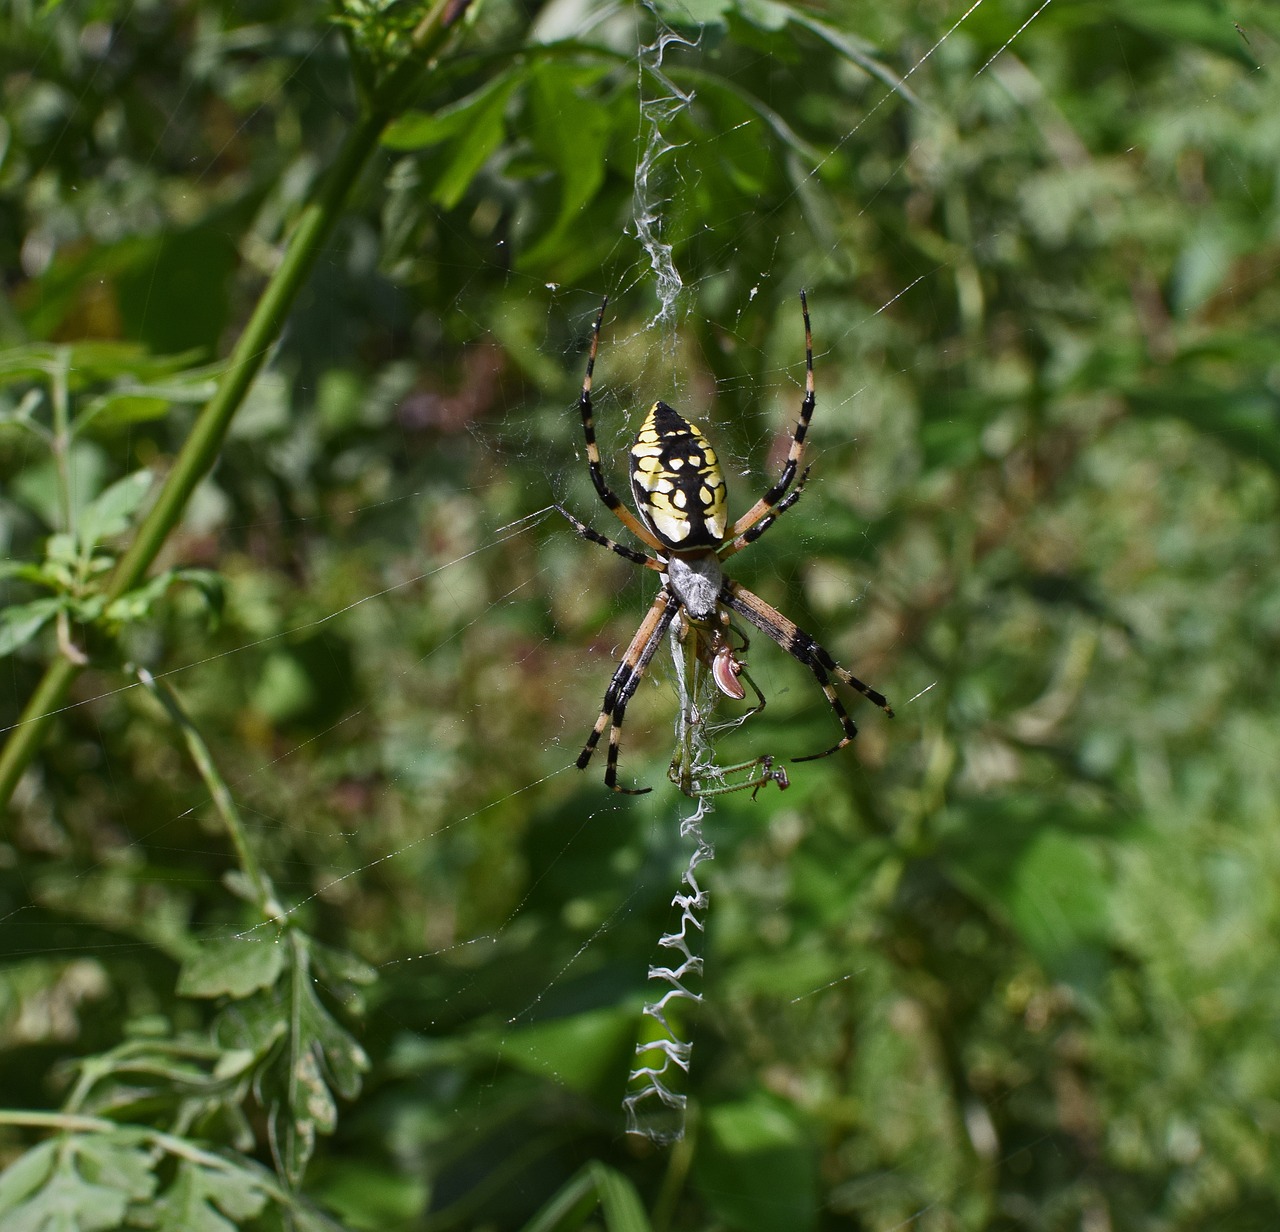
(679, 490)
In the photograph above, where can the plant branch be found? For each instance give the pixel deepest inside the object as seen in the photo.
(200, 450)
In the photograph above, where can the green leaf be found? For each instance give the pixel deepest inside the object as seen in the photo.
(233, 966)
(40, 486)
(26, 1174)
(139, 403)
(208, 1200)
(25, 571)
(234, 1192)
(121, 1165)
(51, 1194)
(321, 1054)
(21, 622)
(1058, 895)
(757, 1169)
(60, 549)
(68, 1203)
(623, 1210)
(584, 1052)
(571, 130)
(594, 1185)
(111, 513)
(1247, 419)
(343, 972)
(137, 604)
(476, 127)
(344, 1060)
(89, 362)
(765, 14)
(692, 12)
(1207, 22)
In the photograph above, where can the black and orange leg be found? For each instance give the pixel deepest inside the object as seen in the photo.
(800, 645)
(794, 455)
(626, 679)
(610, 498)
(594, 536)
(754, 532)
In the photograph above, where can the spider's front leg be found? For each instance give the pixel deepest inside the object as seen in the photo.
(594, 536)
(607, 495)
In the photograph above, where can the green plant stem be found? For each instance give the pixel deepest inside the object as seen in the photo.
(200, 450)
(220, 793)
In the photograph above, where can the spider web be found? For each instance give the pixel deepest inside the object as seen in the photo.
(658, 175)
(464, 578)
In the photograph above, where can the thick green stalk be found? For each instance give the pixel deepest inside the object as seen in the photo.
(200, 449)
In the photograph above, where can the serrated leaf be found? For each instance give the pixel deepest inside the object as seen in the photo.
(255, 1024)
(234, 1192)
(111, 513)
(68, 1203)
(345, 1061)
(320, 1055)
(314, 1108)
(123, 1167)
(232, 967)
(21, 622)
(208, 1200)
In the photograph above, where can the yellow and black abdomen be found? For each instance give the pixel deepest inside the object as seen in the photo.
(677, 482)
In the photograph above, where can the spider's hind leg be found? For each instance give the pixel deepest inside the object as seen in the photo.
(801, 646)
(626, 679)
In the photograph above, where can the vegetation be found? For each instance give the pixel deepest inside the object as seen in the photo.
(306, 918)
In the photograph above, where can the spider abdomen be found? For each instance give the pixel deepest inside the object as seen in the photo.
(677, 482)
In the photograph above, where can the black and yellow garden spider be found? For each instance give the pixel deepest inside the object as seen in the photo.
(679, 492)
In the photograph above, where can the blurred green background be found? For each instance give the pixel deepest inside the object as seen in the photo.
(1007, 963)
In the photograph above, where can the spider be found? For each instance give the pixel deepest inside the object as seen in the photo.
(679, 492)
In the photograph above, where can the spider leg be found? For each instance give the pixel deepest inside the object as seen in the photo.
(753, 533)
(796, 452)
(800, 645)
(610, 498)
(594, 536)
(626, 679)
